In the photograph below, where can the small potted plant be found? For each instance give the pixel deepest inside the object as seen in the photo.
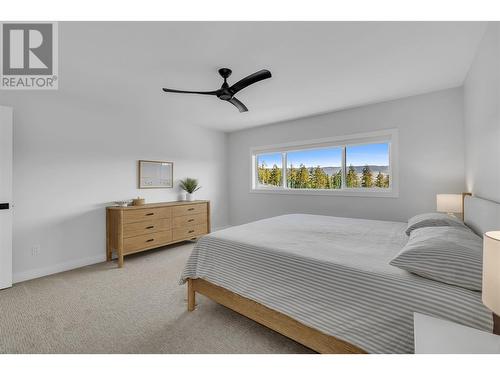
(189, 185)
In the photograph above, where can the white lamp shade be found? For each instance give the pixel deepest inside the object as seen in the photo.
(449, 203)
(491, 271)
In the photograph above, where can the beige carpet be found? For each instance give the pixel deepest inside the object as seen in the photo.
(137, 309)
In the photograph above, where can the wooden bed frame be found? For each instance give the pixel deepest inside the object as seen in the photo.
(287, 326)
(281, 323)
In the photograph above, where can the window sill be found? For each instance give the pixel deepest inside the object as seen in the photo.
(390, 193)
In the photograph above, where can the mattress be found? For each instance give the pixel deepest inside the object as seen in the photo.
(332, 274)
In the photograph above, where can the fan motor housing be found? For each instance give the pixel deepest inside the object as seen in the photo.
(225, 72)
(226, 95)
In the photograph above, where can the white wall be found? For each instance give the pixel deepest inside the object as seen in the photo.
(431, 159)
(69, 163)
(482, 118)
(76, 149)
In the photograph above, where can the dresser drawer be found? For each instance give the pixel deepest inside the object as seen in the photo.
(145, 227)
(144, 214)
(137, 243)
(190, 209)
(189, 220)
(189, 232)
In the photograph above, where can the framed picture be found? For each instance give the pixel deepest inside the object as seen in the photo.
(156, 174)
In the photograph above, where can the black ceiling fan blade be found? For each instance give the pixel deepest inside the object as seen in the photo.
(251, 79)
(192, 92)
(241, 107)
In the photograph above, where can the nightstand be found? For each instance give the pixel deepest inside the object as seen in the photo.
(438, 336)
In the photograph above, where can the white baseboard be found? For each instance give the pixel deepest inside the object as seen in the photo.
(66, 266)
(56, 268)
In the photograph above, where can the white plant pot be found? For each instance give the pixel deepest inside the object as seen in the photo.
(190, 197)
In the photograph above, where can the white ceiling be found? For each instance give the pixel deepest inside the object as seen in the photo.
(317, 67)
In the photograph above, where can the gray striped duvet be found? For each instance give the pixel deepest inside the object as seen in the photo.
(332, 274)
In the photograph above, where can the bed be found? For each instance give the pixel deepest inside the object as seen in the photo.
(326, 281)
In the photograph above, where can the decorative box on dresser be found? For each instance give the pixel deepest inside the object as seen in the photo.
(134, 229)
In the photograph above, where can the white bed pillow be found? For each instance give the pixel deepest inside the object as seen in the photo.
(432, 219)
(451, 255)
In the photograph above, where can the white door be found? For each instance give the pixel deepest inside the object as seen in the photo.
(5, 197)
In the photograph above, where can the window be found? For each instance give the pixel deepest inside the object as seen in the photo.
(368, 166)
(314, 169)
(362, 164)
(270, 170)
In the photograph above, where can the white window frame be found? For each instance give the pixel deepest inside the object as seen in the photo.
(389, 136)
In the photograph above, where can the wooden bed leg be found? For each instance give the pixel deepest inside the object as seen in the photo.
(191, 295)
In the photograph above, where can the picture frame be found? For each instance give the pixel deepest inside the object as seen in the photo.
(155, 174)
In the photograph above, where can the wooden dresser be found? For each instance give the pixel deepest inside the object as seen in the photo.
(133, 229)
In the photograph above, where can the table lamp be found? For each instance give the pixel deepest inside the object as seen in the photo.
(449, 203)
(491, 276)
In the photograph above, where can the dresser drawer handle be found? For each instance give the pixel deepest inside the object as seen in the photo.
(190, 220)
(191, 231)
(150, 227)
(150, 240)
(191, 209)
(150, 214)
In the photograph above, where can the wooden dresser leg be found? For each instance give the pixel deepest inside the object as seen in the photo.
(119, 244)
(120, 258)
(191, 295)
(109, 253)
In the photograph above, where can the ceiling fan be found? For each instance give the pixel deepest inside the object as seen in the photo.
(227, 92)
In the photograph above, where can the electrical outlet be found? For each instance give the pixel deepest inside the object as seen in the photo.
(35, 250)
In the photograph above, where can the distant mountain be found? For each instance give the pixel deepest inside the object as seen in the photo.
(384, 169)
